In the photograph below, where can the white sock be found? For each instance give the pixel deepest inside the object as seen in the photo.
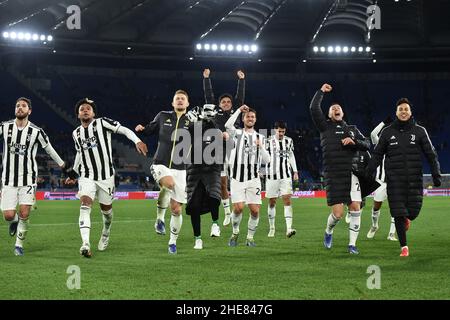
(331, 223)
(22, 229)
(288, 217)
(236, 221)
(226, 206)
(354, 226)
(85, 223)
(392, 229)
(107, 217)
(252, 226)
(271, 213)
(175, 226)
(375, 217)
(162, 203)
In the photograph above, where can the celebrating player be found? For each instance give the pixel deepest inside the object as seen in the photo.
(94, 164)
(279, 176)
(245, 163)
(21, 139)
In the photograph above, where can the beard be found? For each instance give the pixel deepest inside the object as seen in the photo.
(21, 116)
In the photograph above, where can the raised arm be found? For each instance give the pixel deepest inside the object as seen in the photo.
(207, 87)
(240, 91)
(229, 125)
(317, 115)
(375, 132)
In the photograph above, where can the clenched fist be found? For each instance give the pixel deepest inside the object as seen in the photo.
(206, 73)
(326, 88)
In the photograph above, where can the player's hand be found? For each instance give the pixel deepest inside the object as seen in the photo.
(70, 182)
(258, 143)
(437, 180)
(225, 135)
(387, 121)
(240, 74)
(348, 141)
(326, 88)
(295, 176)
(206, 73)
(139, 128)
(244, 108)
(193, 115)
(141, 148)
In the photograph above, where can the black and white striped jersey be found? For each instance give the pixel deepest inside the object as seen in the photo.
(375, 136)
(282, 159)
(19, 166)
(246, 157)
(94, 153)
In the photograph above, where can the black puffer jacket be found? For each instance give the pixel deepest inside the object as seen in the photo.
(403, 143)
(208, 192)
(337, 159)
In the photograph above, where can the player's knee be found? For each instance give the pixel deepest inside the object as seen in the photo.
(175, 208)
(105, 207)
(355, 206)
(9, 215)
(237, 208)
(272, 203)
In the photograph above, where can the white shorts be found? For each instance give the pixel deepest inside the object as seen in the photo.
(248, 192)
(355, 193)
(380, 193)
(278, 187)
(12, 196)
(104, 189)
(160, 171)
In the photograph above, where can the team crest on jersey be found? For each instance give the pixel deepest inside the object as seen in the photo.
(29, 137)
(351, 134)
(186, 123)
(413, 139)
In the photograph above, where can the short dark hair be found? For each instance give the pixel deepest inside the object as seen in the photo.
(251, 110)
(85, 101)
(280, 125)
(181, 92)
(226, 95)
(28, 101)
(403, 100)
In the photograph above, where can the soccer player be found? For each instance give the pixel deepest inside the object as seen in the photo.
(339, 142)
(226, 103)
(169, 174)
(21, 139)
(380, 193)
(245, 163)
(279, 176)
(94, 164)
(402, 145)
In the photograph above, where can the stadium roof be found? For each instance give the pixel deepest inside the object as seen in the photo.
(285, 30)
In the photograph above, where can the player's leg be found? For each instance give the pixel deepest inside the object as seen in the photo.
(271, 214)
(272, 192)
(379, 197)
(26, 200)
(337, 211)
(86, 194)
(10, 198)
(163, 176)
(178, 197)
(286, 193)
(238, 200)
(253, 201)
(106, 191)
(215, 229)
(355, 224)
(288, 215)
(225, 197)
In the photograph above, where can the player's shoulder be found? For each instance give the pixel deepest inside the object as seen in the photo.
(7, 122)
(35, 127)
(288, 139)
(106, 119)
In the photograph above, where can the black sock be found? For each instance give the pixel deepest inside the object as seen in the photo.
(401, 231)
(195, 220)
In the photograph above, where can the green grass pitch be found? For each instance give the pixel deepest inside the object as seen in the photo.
(136, 264)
